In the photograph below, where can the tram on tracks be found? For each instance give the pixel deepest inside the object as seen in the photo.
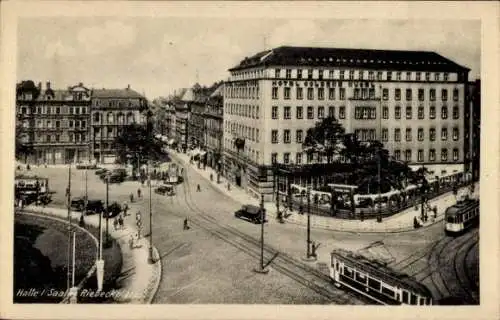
(461, 216)
(376, 281)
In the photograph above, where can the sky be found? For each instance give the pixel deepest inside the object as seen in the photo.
(156, 56)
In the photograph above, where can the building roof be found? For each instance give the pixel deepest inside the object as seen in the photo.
(188, 95)
(218, 92)
(366, 58)
(116, 93)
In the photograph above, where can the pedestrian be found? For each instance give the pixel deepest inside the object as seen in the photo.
(198, 189)
(186, 226)
(67, 191)
(125, 208)
(211, 177)
(120, 221)
(115, 223)
(139, 193)
(131, 198)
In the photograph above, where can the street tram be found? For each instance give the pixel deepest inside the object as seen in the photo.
(461, 216)
(376, 281)
(32, 189)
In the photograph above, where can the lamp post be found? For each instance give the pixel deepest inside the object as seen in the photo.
(107, 211)
(309, 256)
(151, 258)
(379, 204)
(68, 195)
(261, 268)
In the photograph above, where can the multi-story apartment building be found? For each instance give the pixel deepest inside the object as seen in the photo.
(112, 109)
(196, 129)
(214, 124)
(182, 118)
(473, 129)
(54, 122)
(412, 101)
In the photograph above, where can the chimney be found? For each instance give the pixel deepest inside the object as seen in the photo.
(39, 86)
(47, 84)
(128, 86)
(80, 84)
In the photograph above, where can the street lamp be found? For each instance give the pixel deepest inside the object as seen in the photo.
(151, 258)
(107, 244)
(261, 268)
(309, 256)
(68, 195)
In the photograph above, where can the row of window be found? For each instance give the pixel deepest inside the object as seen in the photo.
(57, 124)
(72, 137)
(420, 112)
(118, 104)
(53, 110)
(299, 112)
(420, 95)
(408, 156)
(242, 92)
(358, 75)
(299, 93)
(247, 132)
(248, 152)
(110, 118)
(369, 134)
(243, 110)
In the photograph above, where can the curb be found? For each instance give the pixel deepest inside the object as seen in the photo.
(50, 217)
(156, 278)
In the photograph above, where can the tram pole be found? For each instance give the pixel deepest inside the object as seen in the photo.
(68, 194)
(309, 256)
(260, 269)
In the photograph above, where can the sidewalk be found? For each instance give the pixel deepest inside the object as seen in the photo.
(399, 222)
(139, 280)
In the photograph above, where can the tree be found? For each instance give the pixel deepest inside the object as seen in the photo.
(324, 138)
(136, 141)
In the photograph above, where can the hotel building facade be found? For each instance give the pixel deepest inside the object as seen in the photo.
(412, 101)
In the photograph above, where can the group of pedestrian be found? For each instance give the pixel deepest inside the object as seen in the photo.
(118, 223)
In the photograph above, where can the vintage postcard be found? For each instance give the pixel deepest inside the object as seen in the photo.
(249, 160)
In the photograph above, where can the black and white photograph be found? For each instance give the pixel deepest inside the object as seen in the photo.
(198, 153)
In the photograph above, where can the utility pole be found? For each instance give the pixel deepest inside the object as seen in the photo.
(73, 292)
(261, 268)
(309, 256)
(69, 227)
(107, 211)
(379, 116)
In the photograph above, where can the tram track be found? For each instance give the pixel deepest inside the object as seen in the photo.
(296, 270)
(462, 275)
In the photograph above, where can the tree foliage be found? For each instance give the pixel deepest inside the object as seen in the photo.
(137, 141)
(324, 138)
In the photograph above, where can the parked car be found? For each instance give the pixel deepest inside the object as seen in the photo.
(101, 171)
(93, 206)
(251, 213)
(165, 190)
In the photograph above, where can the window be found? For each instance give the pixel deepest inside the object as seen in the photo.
(455, 133)
(356, 93)
(331, 93)
(408, 112)
(427, 76)
(432, 112)
(397, 94)
(71, 123)
(275, 92)
(342, 93)
(408, 134)
(299, 93)
(299, 73)
(385, 94)
(49, 109)
(84, 110)
(321, 93)
(342, 75)
(274, 112)
(286, 157)
(310, 74)
(398, 76)
(321, 112)
(77, 110)
(420, 112)
(444, 112)
(420, 155)
(385, 112)
(330, 74)
(444, 134)
(432, 155)
(48, 138)
(408, 155)
(299, 112)
(397, 154)
(444, 154)
(379, 75)
(310, 93)
(455, 112)
(320, 74)
(420, 134)
(298, 136)
(310, 113)
(287, 112)
(257, 135)
(408, 76)
(274, 136)
(361, 75)
(371, 93)
(455, 94)
(408, 95)
(257, 111)
(351, 75)
(58, 110)
(286, 135)
(287, 93)
(432, 94)
(57, 137)
(389, 75)
(445, 76)
(331, 111)
(309, 157)
(444, 95)
(420, 94)
(436, 76)
(432, 134)
(274, 158)
(83, 137)
(58, 124)
(455, 154)
(385, 134)
(417, 76)
(397, 112)
(277, 73)
(371, 75)
(298, 158)
(342, 112)
(397, 134)
(70, 110)
(288, 73)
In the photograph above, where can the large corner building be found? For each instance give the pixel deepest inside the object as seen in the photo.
(413, 101)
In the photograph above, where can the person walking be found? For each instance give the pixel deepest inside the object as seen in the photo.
(131, 198)
(120, 221)
(198, 189)
(186, 226)
(125, 208)
(138, 193)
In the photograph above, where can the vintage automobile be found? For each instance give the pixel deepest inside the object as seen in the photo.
(251, 213)
(166, 189)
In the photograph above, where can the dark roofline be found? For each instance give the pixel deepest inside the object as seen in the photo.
(348, 58)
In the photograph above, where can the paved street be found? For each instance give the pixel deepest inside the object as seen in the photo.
(213, 261)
